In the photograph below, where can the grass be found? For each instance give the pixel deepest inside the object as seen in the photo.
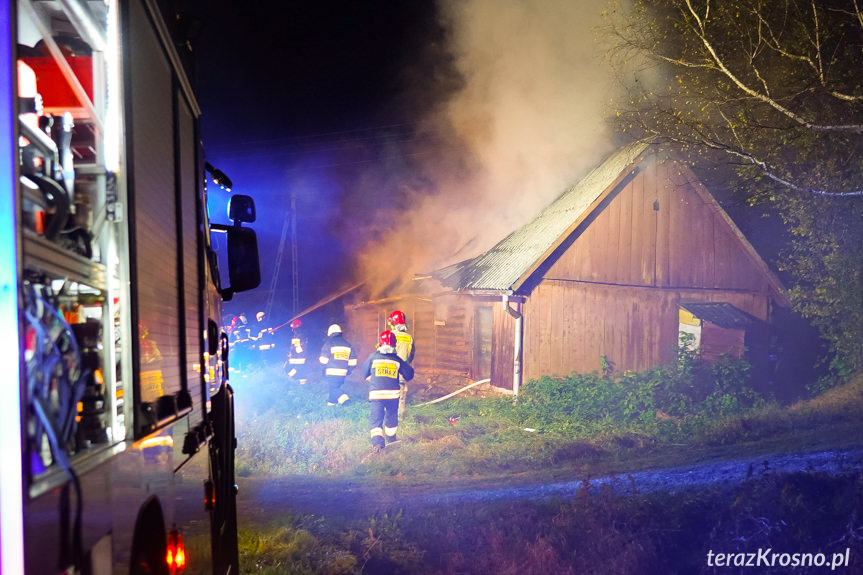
(288, 430)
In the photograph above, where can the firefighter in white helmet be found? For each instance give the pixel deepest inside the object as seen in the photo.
(338, 359)
(261, 329)
(261, 340)
(295, 365)
(405, 349)
(383, 369)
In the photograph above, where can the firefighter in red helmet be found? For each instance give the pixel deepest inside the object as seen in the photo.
(295, 366)
(383, 369)
(338, 359)
(405, 349)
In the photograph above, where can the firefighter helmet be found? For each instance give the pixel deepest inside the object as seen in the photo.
(396, 318)
(296, 323)
(333, 329)
(387, 338)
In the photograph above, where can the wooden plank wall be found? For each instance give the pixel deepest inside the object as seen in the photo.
(421, 327)
(361, 330)
(453, 329)
(717, 341)
(502, 346)
(443, 330)
(659, 232)
(568, 325)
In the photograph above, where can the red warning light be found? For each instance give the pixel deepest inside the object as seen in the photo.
(176, 555)
(209, 495)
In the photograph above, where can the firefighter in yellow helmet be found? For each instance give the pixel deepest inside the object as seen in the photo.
(338, 359)
(383, 369)
(405, 349)
(296, 366)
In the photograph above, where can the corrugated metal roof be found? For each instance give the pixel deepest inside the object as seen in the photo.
(504, 264)
(722, 314)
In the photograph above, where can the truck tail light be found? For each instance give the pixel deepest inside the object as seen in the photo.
(176, 556)
(209, 495)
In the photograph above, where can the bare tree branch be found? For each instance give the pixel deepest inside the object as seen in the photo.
(722, 67)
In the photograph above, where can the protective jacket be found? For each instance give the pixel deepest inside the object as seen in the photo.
(296, 364)
(405, 346)
(337, 356)
(382, 370)
(297, 353)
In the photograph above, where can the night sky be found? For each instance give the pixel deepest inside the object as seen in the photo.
(306, 97)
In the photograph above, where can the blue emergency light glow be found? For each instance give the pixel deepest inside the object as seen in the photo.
(11, 479)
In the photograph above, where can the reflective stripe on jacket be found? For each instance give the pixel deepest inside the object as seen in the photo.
(405, 346)
(297, 355)
(382, 370)
(337, 356)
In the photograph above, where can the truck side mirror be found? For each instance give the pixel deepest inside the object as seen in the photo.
(241, 209)
(244, 268)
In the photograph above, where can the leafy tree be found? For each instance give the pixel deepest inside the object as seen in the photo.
(773, 88)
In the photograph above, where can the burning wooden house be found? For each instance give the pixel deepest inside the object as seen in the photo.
(610, 273)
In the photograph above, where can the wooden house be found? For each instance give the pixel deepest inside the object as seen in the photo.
(609, 274)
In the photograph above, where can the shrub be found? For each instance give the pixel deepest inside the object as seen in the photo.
(690, 388)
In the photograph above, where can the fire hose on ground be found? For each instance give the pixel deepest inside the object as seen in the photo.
(456, 392)
(454, 418)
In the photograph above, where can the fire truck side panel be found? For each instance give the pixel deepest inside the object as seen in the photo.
(147, 285)
(153, 208)
(189, 176)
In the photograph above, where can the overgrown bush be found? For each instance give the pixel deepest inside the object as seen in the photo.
(690, 389)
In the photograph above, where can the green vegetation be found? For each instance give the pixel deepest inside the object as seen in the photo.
(594, 532)
(579, 426)
(599, 423)
(288, 546)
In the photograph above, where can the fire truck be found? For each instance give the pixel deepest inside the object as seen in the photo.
(116, 418)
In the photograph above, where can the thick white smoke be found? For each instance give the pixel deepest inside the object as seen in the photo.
(525, 123)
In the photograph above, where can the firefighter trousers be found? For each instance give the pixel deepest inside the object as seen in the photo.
(334, 385)
(383, 421)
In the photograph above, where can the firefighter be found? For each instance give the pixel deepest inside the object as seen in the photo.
(261, 329)
(295, 366)
(338, 359)
(238, 330)
(383, 370)
(261, 338)
(239, 341)
(405, 349)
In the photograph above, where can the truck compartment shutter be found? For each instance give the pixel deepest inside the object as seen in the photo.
(153, 196)
(189, 182)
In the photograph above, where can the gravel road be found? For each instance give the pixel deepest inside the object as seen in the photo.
(260, 499)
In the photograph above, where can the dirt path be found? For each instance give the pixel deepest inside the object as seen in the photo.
(260, 499)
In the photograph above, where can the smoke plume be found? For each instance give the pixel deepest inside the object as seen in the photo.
(523, 122)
